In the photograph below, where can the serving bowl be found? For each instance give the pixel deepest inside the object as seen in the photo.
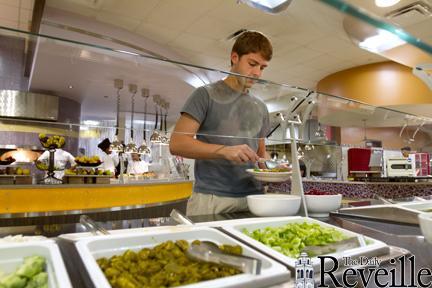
(425, 220)
(321, 205)
(274, 204)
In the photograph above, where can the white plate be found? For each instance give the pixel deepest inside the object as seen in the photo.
(270, 176)
(375, 248)
(94, 248)
(12, 256)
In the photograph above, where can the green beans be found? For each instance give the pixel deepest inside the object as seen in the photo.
(165, 265)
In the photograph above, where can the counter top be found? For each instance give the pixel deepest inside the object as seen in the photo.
(371, 182)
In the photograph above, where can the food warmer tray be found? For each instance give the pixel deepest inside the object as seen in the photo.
(373, 248)
(96, 247)
(12, 255)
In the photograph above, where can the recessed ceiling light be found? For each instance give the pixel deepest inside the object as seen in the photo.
(70, 86)
(381, 42)
(386, 3)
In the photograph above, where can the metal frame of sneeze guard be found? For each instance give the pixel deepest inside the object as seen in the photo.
(292, 119)
(296, 181)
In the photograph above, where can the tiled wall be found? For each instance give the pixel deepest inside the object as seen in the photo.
(12, 64)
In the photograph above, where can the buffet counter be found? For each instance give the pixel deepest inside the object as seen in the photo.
(403, 240)
(360, 190)
(51, 198)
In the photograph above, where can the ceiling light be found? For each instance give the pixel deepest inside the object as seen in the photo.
(386, 3)
(91, 122)
(70, 86)
(270, 6)
(382, 42)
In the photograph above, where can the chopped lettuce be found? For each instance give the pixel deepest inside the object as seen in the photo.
(290, 239)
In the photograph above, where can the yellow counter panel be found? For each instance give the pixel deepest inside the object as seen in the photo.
(43, 198)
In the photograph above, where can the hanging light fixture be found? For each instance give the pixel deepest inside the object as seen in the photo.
(155, 137)
(144, 149)
(165, 138)
(131, 146)
(116, 145)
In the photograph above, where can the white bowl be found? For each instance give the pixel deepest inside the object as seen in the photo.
(274, 204)
(425, 220)
(321, 205)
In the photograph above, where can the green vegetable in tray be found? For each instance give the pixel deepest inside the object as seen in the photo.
(165, 265)
(290, 239)
(32, 265)
(29, 275)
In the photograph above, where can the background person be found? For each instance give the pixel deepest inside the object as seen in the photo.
(110, 159)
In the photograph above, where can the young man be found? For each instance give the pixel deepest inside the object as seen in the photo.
(226, 108)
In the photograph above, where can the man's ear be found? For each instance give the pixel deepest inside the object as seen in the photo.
(234, 58)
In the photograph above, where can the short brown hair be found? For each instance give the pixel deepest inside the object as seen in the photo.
(253, 42)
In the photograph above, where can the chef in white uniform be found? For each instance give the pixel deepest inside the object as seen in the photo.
(61, 158)
(110, 159)
(137, 166)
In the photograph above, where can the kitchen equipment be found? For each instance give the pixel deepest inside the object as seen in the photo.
(340, 246)
(273, 204)
(270, 164)
(400, 167)
(92, 226)
(209, 252)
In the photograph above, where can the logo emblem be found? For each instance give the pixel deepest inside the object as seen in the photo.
(304, 277)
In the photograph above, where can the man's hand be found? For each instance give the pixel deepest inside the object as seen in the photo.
(238, 153)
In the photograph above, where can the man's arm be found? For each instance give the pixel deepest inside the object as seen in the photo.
(184, 144)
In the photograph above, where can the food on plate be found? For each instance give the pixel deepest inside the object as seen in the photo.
(52, 141)
(273, 170)
(290, 239)
(32, 273)
(165, 265)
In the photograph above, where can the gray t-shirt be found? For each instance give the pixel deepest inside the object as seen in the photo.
(227, 117)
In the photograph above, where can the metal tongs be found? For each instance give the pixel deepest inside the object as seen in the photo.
(92, 226)
(343, 245)
(210, 252)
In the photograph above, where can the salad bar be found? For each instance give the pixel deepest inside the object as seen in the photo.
(161, 256)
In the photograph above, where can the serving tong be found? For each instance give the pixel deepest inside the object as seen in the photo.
(208, 251)
(92, 226)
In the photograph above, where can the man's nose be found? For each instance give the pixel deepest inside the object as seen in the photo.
(256, 72)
